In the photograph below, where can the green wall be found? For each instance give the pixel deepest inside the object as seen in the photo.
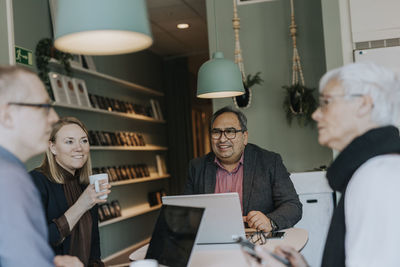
(266, 47)
(4, 53)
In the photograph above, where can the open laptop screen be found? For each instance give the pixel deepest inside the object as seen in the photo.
(222, 217)
(174, 235)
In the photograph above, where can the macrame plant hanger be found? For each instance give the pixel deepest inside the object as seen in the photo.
(297, 70)
(238, 54)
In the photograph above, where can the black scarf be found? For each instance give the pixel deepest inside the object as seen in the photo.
(378, 141)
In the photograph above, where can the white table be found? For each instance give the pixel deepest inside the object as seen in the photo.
(230, 254)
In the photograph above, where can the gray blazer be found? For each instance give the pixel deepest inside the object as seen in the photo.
(266, 184)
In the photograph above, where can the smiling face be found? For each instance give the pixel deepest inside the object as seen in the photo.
(71, 147)
(228, 151)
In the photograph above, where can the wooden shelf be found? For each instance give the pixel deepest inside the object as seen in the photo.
(141, 180)
(130, 213)
(112, 113)
(130, 148)
(133, 86)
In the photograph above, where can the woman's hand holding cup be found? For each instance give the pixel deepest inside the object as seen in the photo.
(96, 192)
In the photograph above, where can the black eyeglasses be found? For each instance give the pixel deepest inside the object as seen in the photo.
(257, 237)
(46, 106)
(229, 133)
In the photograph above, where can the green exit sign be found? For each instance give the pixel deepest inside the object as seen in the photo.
(23, 56)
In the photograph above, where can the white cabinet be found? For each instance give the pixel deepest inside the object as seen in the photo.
(374, 20)
(318, 204)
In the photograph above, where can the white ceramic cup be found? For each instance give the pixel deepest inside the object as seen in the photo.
(95, 178)
(144, 263)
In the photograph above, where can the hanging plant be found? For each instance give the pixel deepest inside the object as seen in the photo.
(299, 103)
(244, 101)
(44, 51)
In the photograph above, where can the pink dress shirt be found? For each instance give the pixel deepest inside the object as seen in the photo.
(227, 182)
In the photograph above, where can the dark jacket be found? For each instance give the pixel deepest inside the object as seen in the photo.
(266, 184)
(55, 205)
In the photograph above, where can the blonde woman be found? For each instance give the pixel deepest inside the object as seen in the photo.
(69, 202)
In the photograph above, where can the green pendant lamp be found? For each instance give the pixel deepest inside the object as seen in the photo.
(102, 27)
(219, 77)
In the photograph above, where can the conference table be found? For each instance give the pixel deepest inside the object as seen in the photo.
(231, 254)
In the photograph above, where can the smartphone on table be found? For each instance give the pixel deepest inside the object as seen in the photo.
(249, 248)
(275, 235)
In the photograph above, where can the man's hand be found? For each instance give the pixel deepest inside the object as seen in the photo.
(257, 220)
(294, 257)
(67, 261)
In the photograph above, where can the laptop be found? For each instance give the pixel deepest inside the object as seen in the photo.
(222, 218)
(174, 235)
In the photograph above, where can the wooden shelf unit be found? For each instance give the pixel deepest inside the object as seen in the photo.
(131, 85)
(130, 213)
(140, 180)
(111, 113)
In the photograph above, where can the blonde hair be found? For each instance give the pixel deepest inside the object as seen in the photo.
(49, 163)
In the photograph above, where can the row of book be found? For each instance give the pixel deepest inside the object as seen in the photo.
(109, 211)
(73, 91)
(116, 105)
(120, 173)
(100, 138)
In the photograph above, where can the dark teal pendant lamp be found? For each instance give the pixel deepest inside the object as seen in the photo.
(219, 77)
(102, 27)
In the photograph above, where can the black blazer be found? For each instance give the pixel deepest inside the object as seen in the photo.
(55, 205)
(266, 184)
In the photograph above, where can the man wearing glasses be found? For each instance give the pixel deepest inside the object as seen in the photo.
(269, 200)
(26, 118)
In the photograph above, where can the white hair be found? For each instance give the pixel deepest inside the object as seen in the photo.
(380, 83)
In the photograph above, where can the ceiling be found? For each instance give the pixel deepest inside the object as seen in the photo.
(169, 41)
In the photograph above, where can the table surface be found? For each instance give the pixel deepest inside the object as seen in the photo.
(227, 254)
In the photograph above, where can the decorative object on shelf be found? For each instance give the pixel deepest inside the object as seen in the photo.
(161, 166)
(58, 89)
(154, 198)
(133, 86)
(102, 27)
(76, 61)
(71, 90)
(99, 138)
(81, 91)
(299, 100)
(88, 63)
(120, 173)
(44, 52)
(109, 211)
(117, 207)
(242, 101)
(116, 105)
(219, 77)
(156, 109)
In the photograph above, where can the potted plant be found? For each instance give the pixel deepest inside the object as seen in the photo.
(299, 103)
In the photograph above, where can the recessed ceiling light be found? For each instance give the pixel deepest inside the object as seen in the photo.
(182, 26)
